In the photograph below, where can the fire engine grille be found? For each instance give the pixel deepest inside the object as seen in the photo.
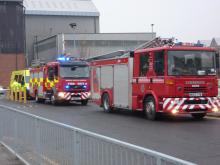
(195, 90)
(196, 102)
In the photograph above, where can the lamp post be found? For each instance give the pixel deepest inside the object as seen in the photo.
(73, 26)
(36, 45)
(152, 30)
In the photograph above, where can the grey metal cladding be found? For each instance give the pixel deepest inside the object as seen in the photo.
(61, 7)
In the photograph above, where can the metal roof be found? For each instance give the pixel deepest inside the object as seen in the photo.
(61, 7)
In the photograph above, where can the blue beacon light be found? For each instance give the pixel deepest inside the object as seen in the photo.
(67, 87)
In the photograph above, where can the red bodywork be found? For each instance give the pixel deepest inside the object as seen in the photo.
(186, 94)
(64, 89)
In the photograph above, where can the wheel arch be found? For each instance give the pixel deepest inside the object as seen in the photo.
(109, 92)
(151, 94)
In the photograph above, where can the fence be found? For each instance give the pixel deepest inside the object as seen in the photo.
(41, 141)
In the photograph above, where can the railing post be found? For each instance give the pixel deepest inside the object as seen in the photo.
(16, 95)
(76, 159)
(37, 142)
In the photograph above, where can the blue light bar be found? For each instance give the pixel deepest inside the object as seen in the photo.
(63, 59)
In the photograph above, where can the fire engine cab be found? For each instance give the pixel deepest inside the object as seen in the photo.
(65, 80)
(158, 77)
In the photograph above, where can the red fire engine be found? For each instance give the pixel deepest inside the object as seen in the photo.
(158, 77)
(66, 80)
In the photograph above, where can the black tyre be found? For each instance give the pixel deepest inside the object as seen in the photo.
(150, 108)
(37, 99)
(84, 102)
(106, 103)
(198, 115)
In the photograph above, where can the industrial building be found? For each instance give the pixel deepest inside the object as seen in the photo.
(88, 45)
(46, 18)
(12, 38)
(44, 29)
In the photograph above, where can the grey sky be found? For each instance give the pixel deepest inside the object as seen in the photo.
(187, 20)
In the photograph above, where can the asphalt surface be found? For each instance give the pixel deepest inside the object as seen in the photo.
(181, 137)
(7, 158)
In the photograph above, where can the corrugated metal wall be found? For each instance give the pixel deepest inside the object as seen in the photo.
(11, 27)
(11, 39)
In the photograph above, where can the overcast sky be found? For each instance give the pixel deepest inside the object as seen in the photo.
(187, 20)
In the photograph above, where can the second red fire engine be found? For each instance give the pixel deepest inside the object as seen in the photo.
(65, 80)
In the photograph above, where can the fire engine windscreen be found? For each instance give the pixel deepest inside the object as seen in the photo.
(191, 63)
(74, 72)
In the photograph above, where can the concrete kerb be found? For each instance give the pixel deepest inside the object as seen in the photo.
(217, 114)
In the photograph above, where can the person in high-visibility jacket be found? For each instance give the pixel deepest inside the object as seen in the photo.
(15, 86)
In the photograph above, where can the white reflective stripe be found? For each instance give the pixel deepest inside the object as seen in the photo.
(184, 107)
(208, 106)
(212, 103)
(201, 106)
(171, 106)
(217, 101)
(181, 102)
(192, 106)
(166, 102)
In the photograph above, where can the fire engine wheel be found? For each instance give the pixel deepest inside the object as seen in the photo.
(198, 115)
(37, 99)
(150, 108)
(106, 103)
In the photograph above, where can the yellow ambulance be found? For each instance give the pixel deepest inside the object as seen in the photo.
(19, 79)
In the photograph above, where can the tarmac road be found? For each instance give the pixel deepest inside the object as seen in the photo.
(181, 137)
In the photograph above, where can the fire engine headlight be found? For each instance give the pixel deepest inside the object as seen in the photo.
(215, 109)
(89, 94)
(174, 111)
(61, 94)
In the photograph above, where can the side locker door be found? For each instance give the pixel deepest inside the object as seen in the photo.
(95, 83)
(121, 85)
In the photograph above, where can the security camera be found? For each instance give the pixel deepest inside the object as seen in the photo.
(73, 25)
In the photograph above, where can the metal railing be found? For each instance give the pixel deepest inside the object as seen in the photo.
(41, 141)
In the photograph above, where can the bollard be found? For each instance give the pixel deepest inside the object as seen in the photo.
(25, 95)
(16, 95)
(20, 96)
(11, 95)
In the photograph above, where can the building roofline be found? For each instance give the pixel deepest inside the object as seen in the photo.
(61, 13)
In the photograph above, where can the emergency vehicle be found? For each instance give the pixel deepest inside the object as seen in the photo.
(158, 77)
(20, 78)
(65, 80)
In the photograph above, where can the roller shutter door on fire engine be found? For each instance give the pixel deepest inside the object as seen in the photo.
(121, 85)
